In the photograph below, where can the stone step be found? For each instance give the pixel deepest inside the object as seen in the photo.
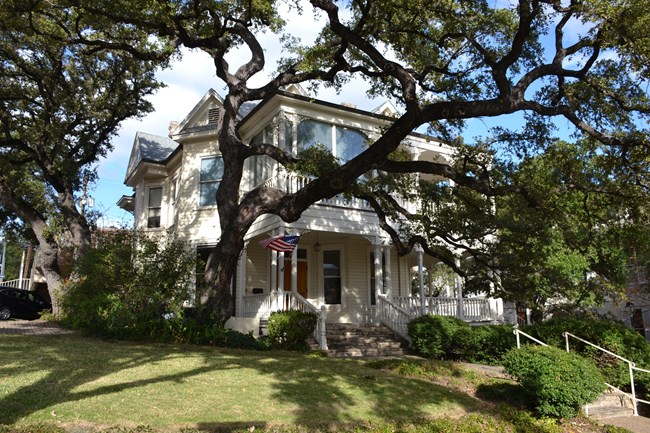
(358, 353)
(364, 340)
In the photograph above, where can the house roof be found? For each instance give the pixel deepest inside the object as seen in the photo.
(189, 123)
(149, 148)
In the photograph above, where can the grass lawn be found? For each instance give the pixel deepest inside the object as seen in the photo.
(71, 379)
(74, 384)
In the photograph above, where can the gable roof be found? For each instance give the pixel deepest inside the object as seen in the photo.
(149, 148)
(192, 122)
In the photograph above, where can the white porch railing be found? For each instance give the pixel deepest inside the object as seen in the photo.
(259, 306)
(20, 283)
(473, 309)
(291, 183)
(392, 315)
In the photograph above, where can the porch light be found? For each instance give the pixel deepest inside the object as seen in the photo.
(317, 247)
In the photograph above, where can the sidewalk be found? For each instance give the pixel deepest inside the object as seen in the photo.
(635, 424)
(32, 327)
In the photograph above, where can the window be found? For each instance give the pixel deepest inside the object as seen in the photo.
(332, 276)
(347, 144)
(312, 132)
(285, 140)
(211, 174)
(260, 164)
(154, 207)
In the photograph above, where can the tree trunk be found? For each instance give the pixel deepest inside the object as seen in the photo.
(220, 269)
(76, 224)
(46, 260)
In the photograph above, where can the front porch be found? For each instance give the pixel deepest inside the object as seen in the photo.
(394, 312)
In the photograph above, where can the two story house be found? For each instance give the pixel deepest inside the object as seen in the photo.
(343, 262)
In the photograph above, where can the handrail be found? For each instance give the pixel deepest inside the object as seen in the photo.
(566, 336)
(392, 315)
(320, 333)
(516, 331)
(631, 367)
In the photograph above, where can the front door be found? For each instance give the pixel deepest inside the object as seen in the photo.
(302, 277)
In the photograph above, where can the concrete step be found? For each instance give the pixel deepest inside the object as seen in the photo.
(606, 412)
(610, 405)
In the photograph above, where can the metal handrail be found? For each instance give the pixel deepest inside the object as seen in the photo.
(631, 367)
(516, 331)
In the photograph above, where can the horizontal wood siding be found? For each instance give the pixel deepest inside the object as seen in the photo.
(257, 268)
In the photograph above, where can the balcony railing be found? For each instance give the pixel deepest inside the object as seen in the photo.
(291, 183)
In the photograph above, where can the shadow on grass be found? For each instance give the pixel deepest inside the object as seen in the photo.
(41, 373)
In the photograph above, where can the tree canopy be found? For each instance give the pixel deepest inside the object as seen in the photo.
(445, 63)
(60, 105)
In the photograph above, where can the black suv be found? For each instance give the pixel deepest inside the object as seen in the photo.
(21, 304)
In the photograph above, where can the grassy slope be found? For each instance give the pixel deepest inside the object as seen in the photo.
(72, 379)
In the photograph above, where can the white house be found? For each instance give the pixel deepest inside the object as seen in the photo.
(344, 264)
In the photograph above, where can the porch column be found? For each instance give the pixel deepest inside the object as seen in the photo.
(420, 252)
(378, 272)
(281, 271)
(459, 293)
(294, 270)
(274, 271)
(243, 259)
(388, 283)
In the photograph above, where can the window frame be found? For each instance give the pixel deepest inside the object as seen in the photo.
(342, 274)
(158, 207)
(205, 182)
(336, 130)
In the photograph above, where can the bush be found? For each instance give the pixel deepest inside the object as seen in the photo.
(559, 383)
(608, 334)
(129, 286)
(484, 344)
(289, 330)
(433, 336)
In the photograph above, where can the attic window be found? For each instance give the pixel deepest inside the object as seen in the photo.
(213, 116)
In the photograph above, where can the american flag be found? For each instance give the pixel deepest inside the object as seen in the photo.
(281, 243)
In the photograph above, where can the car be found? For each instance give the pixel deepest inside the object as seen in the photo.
(21, 304)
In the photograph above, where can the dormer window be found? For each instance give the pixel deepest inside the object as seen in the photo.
(213, 116)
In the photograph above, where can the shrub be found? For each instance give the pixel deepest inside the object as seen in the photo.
(289, 330)
(433, 336)
(484, 344)
(129, 286)
(608, 334)
(559, 383)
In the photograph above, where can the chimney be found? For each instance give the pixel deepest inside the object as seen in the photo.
(172, 127)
